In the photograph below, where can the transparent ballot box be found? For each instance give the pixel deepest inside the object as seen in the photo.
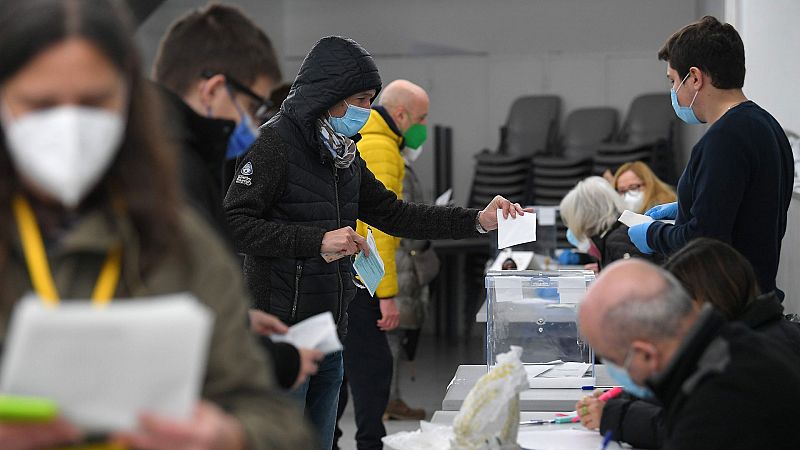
(538, 311)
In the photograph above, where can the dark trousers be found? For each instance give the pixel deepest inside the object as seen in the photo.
(368, 370)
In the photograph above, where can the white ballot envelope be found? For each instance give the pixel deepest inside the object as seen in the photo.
(104, 367)
(514, 231)
(631, 219)
(370, 268)
(318, 332)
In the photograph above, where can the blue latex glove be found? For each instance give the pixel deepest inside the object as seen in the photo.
(568, 257)
(667, 211)
(638, 235)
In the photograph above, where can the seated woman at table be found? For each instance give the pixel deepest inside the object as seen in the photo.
(590, 212)
(640, 188)
(712, 272)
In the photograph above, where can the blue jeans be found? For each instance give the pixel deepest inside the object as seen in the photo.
(320, 397)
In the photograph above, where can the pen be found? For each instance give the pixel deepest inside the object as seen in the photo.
(606, 440)
(567, 419)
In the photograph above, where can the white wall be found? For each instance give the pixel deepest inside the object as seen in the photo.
(475, 56)
(771, 38)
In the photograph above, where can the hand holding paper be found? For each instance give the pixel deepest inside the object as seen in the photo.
(632, 219)
(369, 265)
(489, 220)
(514, 231)
(318, 332)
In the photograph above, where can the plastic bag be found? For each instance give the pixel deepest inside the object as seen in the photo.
(489, 417)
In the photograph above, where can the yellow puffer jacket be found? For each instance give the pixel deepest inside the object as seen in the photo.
(380, 148)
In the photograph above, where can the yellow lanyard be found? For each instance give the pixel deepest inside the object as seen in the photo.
(39, 268)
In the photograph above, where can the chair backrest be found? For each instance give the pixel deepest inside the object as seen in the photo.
(587, 127)
(532, 124)
(650, 118)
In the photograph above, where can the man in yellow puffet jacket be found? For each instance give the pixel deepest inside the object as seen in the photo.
(397, 121)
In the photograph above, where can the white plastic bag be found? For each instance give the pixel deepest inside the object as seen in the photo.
(489, 417)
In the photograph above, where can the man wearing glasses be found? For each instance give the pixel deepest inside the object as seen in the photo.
(217, 69)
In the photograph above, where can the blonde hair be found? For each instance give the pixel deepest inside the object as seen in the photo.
(591, 207)
(656, 192)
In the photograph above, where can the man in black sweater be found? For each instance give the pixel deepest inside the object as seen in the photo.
(737, 185)
(721, 384)
(215, 68)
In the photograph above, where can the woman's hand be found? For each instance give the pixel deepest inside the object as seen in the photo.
(210, 428)
(265, 324)
(29, 436)
(309, 364)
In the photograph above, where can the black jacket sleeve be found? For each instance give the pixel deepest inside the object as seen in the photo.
(635, 421)
(720, 177)
(286, 361)
(382, 209)
(250, 199)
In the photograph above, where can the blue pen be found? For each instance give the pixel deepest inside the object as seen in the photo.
(606, 440)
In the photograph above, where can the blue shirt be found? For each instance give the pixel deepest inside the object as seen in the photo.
(736, 188)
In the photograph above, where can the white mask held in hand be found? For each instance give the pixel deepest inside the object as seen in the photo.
(633, 200)
(64, 151)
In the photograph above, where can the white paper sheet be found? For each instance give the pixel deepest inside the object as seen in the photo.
(557, 437)
(370, 268)
(317, 332)
(104, 367)
(515, 231)
(534, 370)
(567, 369)
(631, 219)
(444, 199)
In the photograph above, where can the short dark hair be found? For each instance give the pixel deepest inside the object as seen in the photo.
(714, 272)
(216, 38)
(713, 47)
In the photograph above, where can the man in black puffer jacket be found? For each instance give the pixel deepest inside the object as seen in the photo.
(298, 193)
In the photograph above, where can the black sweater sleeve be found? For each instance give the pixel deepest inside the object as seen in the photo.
(259, 180)
(286, 361)
(719, 176)
(637, 422)
(382, 209)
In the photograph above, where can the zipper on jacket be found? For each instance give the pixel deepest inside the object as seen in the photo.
(338, 225)
(297, 273)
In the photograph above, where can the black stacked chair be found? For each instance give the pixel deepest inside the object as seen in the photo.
(555, 173)
(648, 135)
(531, 127)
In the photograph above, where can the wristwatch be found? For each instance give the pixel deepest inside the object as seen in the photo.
(478, 225)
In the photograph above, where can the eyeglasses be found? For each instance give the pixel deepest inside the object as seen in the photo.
(632, 187)
(261, 111)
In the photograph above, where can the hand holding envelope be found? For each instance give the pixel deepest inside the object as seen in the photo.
(514, 231)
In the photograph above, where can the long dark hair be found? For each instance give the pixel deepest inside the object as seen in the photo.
(713, 271)
(144, 169)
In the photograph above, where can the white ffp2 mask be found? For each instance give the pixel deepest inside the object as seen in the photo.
(633, 200)
(64, 150)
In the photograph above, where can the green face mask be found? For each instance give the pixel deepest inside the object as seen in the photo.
(415, 135)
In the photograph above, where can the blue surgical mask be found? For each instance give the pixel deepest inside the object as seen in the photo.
(685, 113)
(352, 122)
(620, 375)
(243, 135)
(582, 245)
(241, 139)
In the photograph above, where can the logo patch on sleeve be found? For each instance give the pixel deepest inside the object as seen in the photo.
(247, 169)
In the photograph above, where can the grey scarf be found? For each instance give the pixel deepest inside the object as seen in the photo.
(341, 147)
